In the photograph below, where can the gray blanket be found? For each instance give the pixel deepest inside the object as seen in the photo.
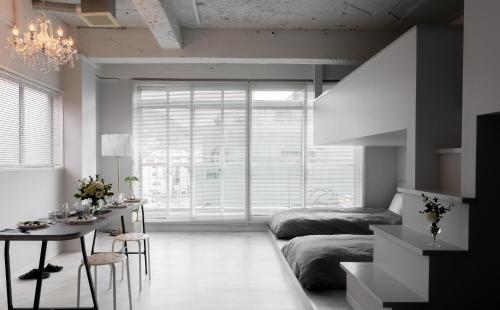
(315, 259)
(329, 220)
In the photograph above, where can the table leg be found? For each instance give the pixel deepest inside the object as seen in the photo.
(123, 232)
(93, 242)
(39, 279)
(7, 275)
(145, 249)
(87, 270)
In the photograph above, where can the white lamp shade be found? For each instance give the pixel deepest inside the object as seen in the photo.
(116, 145)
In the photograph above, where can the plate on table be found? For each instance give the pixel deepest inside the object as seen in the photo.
(132, 200)
(32, 224)
(116, 205)
(81, 219)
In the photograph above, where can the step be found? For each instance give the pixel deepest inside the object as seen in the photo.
(383, 288)
(416, 241)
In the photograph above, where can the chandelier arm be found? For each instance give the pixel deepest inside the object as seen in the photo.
(40, 47)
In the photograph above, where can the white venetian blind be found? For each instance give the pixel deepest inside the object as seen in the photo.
(276, 147)
(31, 117)
(191, 148)
(9, 120)
(219, 144)
(223, 150)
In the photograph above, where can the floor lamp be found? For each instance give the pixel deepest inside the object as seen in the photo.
(116, 145)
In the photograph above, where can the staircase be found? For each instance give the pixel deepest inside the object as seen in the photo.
(407, 272)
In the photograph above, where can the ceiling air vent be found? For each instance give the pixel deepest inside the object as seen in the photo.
(98, 13)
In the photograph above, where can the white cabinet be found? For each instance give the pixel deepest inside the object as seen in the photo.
(409, 94)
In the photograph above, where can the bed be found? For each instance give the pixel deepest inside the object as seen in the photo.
(315, 259)
(331, 220)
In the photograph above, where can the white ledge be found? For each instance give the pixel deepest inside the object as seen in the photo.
(386, 290)
(416, 241)
(452, 197)
(449, 151)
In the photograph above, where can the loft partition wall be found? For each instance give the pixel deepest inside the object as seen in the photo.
(235, 151)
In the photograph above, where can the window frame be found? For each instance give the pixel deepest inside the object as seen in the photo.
(305, 108)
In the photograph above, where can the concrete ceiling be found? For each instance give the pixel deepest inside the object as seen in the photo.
(315, 14)
(292, 14)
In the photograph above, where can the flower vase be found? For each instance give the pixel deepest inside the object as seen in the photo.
(434, 229)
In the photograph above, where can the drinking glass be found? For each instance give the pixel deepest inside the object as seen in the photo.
(53, 217)
(77, 206)
(65, 210)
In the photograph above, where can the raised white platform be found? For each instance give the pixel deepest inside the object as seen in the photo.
(384, 289)
(416, 241)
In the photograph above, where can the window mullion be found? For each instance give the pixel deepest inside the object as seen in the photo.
(304, 148)
(248, 178)
(222, 159)
(52, 129)
(191, 161)
(21, 125)
(167, 168)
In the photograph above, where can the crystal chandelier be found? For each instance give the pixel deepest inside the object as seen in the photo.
(39, 48)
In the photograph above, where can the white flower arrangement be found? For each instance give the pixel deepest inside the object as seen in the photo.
(93, 188)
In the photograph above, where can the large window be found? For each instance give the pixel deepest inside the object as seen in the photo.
(31, 120)
(236, 151)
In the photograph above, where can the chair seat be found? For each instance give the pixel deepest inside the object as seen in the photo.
(99, 259)
(131, 237)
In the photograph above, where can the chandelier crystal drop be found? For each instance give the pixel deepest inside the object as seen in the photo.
(41, 48)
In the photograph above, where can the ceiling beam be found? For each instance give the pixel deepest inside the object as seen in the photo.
(196, 12)
(160, 18)
(236, 46)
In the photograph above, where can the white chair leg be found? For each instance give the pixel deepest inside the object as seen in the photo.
(78, 286)
(114, 285)
(128, 283)
(149, 259)
(110, 277)
(140, 266)
(123, 252)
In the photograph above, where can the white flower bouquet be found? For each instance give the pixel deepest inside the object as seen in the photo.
(93, 188)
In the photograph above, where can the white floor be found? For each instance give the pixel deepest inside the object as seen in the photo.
(191, 270)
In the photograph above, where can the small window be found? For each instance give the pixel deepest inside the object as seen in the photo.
(31, 118)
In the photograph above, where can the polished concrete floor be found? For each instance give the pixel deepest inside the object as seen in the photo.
(191, 270)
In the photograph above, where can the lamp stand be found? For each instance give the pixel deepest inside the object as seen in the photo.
(118, 166)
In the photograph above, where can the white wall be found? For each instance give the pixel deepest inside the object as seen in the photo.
(115, 116)
(402, 167)
(381, 176)
(89, 118)
(481, 79)
(26, 194)
(80, 126)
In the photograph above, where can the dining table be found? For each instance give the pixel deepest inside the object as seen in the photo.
(63, 231)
